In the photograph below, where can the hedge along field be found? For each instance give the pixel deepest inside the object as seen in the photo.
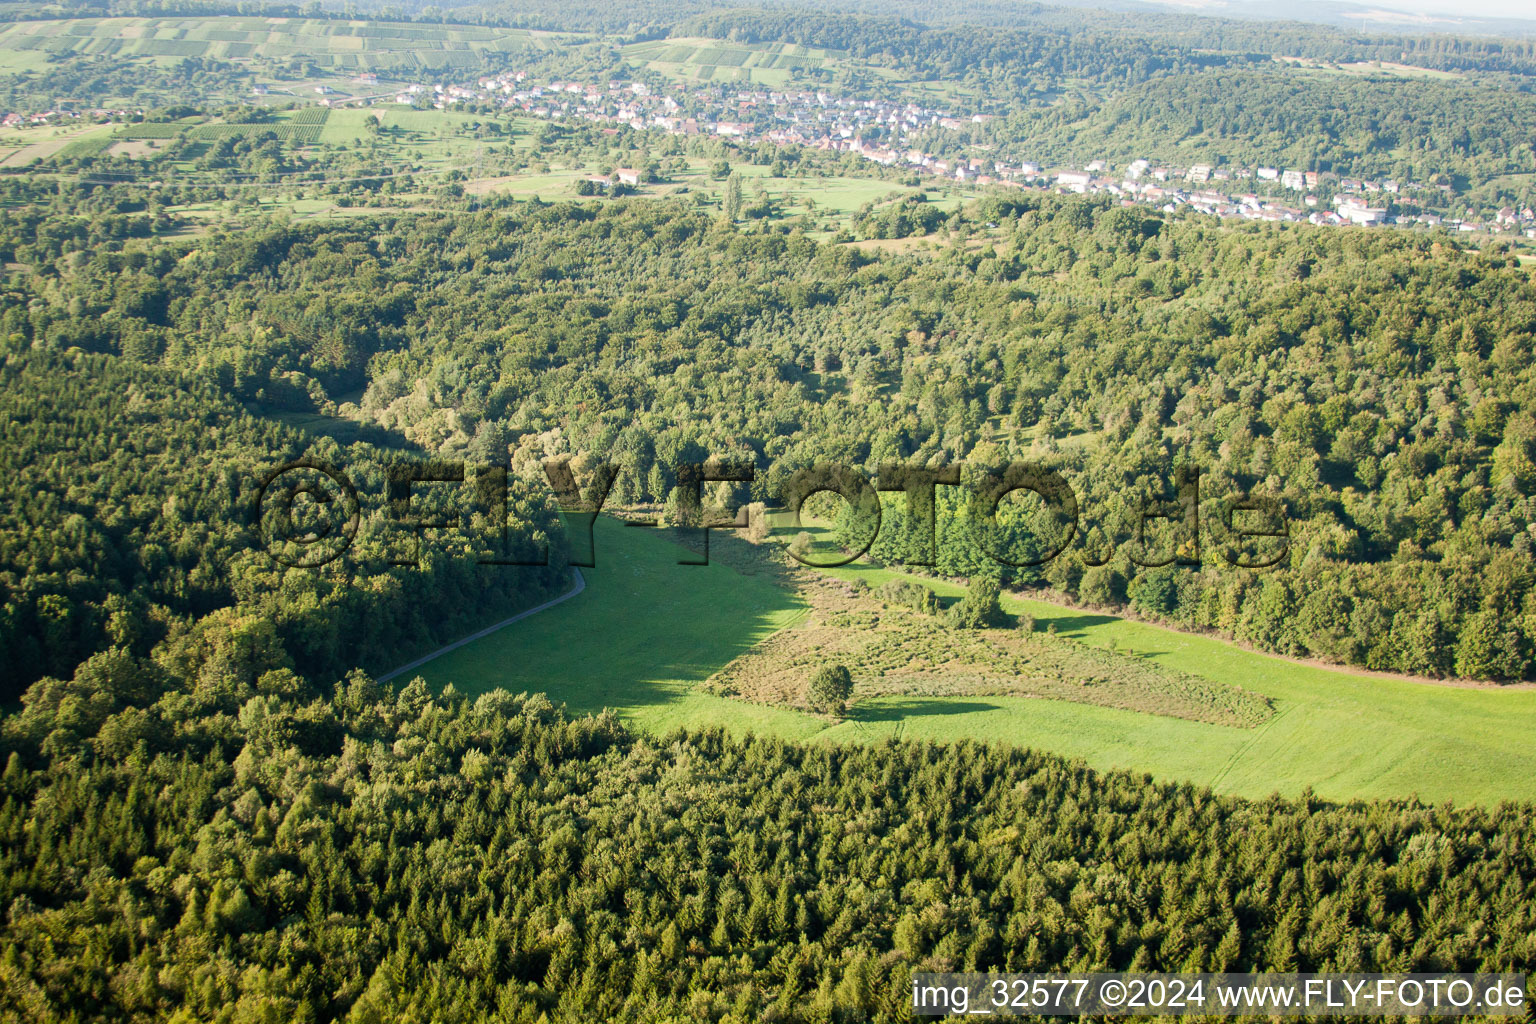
(647, 631)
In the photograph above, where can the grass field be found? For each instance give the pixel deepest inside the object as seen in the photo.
(647, 631)
(1377, 69)
(835, 197)
(639, 639)
(1343, 734)
(346, 126)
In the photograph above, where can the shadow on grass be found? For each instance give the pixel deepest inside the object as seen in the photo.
(1073, 623)
(643, 634)
(912, 707)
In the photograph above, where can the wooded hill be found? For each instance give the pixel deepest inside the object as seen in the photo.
(1377, 383)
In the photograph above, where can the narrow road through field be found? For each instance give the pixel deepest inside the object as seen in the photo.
(578, 584)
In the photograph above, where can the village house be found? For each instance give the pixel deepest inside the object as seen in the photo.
(1356, 211)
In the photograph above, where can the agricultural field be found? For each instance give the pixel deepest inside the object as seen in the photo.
(342, 47)
(347, 126)
(20, 147)
(644, 639)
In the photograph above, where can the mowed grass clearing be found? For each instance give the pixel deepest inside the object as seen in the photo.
(1342, 734)
(639, 639)
(646, 631)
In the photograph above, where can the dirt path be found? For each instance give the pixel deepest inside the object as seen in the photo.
(578, 584)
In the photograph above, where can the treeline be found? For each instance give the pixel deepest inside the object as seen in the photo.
(1066, 89)
(1003, 67)
(129, 521)
(909, 215)
(75, 81)
(850, 24)
(1329, 122)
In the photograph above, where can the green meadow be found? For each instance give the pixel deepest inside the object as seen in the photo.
(639, 639)
(646, 631)
(1344, 735)
(833, 198)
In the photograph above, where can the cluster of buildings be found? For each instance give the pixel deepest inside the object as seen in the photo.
(889, 133)
(892, 133)
(13, 119)
(1353, 201)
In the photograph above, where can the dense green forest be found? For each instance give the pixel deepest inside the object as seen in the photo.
(1377, 384)
(129, 525)
(211, 810)
(1257, 114)
(231, 852)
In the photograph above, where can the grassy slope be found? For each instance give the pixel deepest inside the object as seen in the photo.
(647, 630)
(638, 639)
(1343, 734)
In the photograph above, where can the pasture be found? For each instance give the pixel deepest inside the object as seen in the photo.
(639, 640)
(647, 632)
(1345, 735)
